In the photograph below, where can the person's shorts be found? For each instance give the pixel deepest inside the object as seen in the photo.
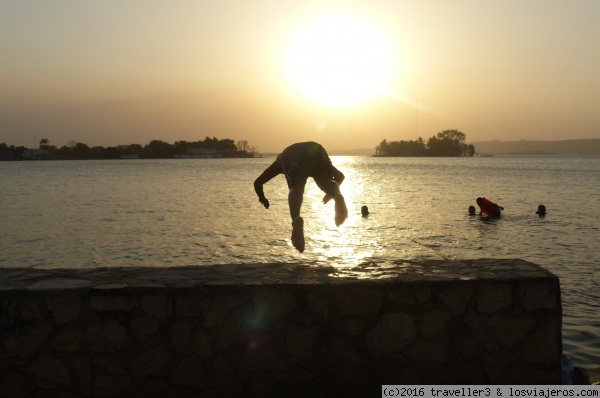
(497, 214)
(303, 160)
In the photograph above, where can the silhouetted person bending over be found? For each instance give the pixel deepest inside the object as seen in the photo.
(298, 162)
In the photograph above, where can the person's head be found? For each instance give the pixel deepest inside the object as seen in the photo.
(364, 211)
(479, 201)
(541, 210)
(471, 210)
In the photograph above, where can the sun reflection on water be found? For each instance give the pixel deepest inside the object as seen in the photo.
(356, 241)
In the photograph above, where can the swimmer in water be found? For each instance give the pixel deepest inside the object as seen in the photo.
(298, 162)
(489, 208)
(541, 211)
(364, 211)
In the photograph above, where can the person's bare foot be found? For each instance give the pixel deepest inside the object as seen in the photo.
(341, 211)
(298, 234)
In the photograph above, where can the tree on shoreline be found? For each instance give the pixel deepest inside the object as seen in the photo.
(444, 143)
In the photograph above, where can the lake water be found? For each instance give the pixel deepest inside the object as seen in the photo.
(80, 214)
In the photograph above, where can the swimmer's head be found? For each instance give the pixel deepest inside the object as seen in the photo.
(541, 210)
(364, 211)
(471, 210)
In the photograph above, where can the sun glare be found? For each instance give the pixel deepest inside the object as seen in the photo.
(339, 61)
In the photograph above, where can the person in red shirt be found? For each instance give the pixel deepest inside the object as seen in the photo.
(489, 208)
(298, 162)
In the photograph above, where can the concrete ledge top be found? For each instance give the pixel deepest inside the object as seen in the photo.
(400, 271)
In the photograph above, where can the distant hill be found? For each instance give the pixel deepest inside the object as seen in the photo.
(353, 152)
(338, 152)
(524, 147)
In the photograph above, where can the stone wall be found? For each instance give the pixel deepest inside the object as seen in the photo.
(276, 329)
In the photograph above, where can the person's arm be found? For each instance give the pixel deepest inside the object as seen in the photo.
(270, 172)
(336, 176)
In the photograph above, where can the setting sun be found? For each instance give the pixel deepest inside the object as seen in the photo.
(338, 61)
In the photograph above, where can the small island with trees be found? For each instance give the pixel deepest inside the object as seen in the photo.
(444, 143)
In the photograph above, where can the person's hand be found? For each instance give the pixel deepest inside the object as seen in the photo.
(265, 202)
(327, 198)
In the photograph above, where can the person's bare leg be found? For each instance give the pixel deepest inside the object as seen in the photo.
(332, 190)
(341, 211)
(295, 198)
(298, 234)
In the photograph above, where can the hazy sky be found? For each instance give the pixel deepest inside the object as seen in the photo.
(120, 72)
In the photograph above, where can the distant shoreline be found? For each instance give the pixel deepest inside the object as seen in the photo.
(268, 156)
(580, 147)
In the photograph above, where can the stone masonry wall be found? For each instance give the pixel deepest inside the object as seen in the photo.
(276, 329)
